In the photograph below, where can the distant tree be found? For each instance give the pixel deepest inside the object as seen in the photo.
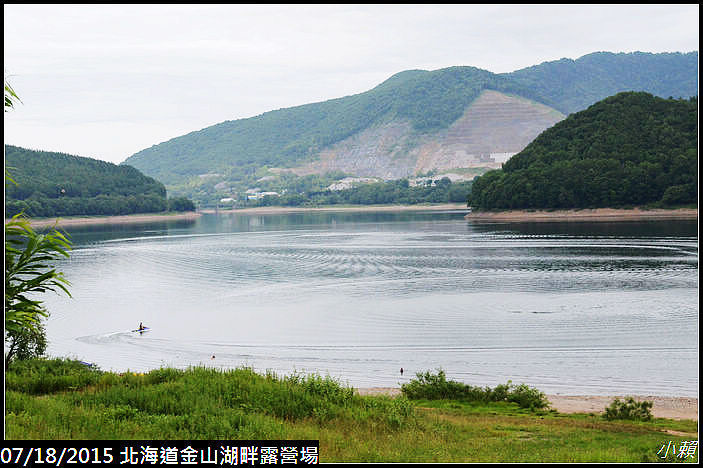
(180, 204)
(444, 182)
(678, 194)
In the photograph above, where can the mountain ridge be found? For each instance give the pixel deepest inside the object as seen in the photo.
(428, 101)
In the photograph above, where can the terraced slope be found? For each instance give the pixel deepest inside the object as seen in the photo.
(493, 127)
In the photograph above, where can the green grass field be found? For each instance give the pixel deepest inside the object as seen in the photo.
(62, 399)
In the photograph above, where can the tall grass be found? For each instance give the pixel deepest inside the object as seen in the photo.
(42, 376)
(195, 403)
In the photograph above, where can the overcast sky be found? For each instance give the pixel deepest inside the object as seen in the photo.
(106, 81)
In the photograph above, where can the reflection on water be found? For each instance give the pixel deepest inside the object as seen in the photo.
(579, 308)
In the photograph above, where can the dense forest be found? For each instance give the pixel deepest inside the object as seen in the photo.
(429, 100)
(627, 150)
(58, 184)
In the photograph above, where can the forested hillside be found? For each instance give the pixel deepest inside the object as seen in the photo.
(630, 149)
(58, 184)
(429, 100)
(573, 85)
(395, 192)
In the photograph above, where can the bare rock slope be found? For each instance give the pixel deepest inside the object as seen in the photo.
(493, 127)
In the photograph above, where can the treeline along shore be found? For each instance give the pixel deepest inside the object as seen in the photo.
(48, 184)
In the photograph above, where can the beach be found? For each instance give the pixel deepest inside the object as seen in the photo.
(598, 214)
(664, 407)
(96, 220)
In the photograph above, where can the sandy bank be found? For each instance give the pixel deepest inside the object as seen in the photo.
(95, 220)
(664, 407)
(369, 208)
(599, 214)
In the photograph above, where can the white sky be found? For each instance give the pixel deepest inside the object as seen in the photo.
(106, 81)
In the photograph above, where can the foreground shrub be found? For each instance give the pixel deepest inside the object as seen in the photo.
(24, 343)
(436, 387)
(325, 387)
(527, 397)
(629, 409)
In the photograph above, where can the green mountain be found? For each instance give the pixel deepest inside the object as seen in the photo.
(58, 184)
(285, 137)
(629, 149)
(572, 85)
(414, 122)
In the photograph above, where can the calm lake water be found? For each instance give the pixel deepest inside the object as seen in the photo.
(571, 308)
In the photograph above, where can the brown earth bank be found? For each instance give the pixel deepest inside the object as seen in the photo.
(598, 214)
(151, 217)
(124, 219)
(663, 407)
(369, 208)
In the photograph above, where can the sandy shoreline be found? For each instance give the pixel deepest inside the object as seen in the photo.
(152, 217)
(125, 219)
(664, 407)
(599, 214)
(369, 208)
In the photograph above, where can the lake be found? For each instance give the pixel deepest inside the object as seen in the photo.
(570, 308)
